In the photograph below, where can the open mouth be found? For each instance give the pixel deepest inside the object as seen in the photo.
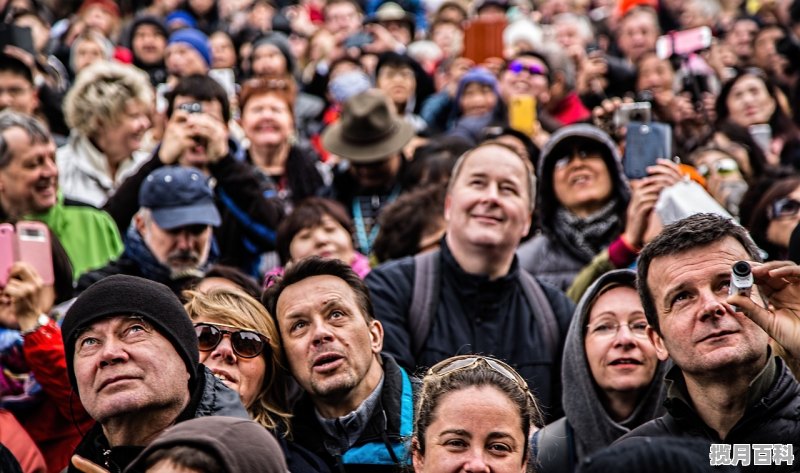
(224, 376)
(328, 361)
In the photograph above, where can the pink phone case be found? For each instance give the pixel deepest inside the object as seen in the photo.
(33, 243)
(7, 250)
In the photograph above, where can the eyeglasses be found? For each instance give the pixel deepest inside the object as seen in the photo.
(783, 208)
(457, 363)
(245, 343)
(534, 69)
(638, 329)
(723, 167)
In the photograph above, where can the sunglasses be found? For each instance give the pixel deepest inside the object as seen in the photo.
(723, 167)
(245, 343)
(783, 208)
(535, 70)
(457, 363)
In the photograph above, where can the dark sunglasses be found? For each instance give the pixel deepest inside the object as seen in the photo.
(535, 70)
(245, 343)
(783, 208)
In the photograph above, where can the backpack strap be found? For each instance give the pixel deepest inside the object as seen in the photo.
(424, 298)
(552, 447)
(541, 308)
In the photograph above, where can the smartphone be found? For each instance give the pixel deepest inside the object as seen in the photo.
(683, 42)
(633, 112)
(484, 39)
(358, 40)
(762, 135)
(644, 144)
(522, 114)
(19, 36)
(33, 247)
(7, 251)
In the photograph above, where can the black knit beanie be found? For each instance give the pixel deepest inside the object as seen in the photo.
(130, 295)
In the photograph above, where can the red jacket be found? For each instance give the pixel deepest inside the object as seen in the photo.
(58, 425)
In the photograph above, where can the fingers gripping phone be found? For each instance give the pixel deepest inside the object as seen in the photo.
(28, 242)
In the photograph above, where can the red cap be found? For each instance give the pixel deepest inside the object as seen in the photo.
(108, 5)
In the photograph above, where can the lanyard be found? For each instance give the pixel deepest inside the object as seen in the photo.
(364, 241)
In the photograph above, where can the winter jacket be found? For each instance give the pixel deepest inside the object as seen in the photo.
(589, 427)
(83, 171)
(772, 415)
(382, 446)
(239, 445)
(58, 423)
(474, 315)
(210, 397)
(87, 234)
(249, 217)
(548, 255)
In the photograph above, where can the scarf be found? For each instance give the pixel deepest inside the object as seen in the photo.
(586, 236)
(136, 250)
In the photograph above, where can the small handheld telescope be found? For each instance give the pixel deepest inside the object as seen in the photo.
(741, 279)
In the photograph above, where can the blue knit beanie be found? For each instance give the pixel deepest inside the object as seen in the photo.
(194, 38)
(479, 75)
(180, 19)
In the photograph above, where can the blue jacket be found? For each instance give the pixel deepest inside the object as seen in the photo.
(383, 446)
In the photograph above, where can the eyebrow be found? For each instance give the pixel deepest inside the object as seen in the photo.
(326, 305)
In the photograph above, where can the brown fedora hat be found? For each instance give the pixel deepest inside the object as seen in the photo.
(368, 130)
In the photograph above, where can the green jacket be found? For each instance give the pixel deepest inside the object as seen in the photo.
(88, 235)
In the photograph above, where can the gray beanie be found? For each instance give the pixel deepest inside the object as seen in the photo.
(280, 41)
(121, 295)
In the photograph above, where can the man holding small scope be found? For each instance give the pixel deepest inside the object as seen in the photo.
(726, 385)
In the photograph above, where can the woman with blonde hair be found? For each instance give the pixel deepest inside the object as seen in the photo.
(239, 343)
(108, 110)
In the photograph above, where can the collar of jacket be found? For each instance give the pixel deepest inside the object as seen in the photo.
(476, 285)
(679, 403)
(385, 418)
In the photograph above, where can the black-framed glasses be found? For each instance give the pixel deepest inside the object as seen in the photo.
(534, 69)
(245, 343)
(783, 208)
(461, 362)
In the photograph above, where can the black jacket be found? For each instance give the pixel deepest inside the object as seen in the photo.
(475, 315)
(770, 418)
(209, 398)
(382, 445)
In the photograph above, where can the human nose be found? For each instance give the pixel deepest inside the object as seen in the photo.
(112, 352)
(321, 333)
(183, 240)
(476, 463)
(224, 350)
(624, 335)
(320, 238)
(712, 306)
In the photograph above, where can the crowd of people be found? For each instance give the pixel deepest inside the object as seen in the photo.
(399, 235)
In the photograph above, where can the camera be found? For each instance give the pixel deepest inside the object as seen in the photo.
(741, 279)
(191, 107)
(633, 112)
